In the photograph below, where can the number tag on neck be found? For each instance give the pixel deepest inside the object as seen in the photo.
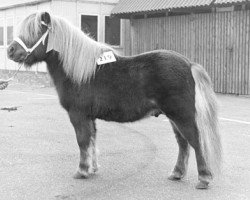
(106, 57)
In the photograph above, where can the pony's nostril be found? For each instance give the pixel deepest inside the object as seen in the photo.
(11, 50)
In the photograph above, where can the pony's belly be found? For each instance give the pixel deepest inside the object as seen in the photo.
(128, 115)
(120, 118)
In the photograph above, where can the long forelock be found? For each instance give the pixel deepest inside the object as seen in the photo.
(30, 29)
(77, 51)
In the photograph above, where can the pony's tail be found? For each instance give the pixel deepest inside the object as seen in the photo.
(207, 119)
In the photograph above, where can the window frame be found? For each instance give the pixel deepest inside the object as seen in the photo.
(98, 23)
(121, 28)
(2, 24)
(9, 18)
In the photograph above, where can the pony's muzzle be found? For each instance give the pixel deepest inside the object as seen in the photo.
(10, 51)
(16, 53)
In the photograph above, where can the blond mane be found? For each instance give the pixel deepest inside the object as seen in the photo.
(77, 51)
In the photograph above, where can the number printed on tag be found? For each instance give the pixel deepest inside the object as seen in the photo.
(106, 57)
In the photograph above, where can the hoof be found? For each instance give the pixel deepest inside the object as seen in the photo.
(81, 174)
(175, 176)
(95, 169)
(202, 185)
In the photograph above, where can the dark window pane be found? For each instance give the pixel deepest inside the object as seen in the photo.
(89, 25)
(112, 31)
(1, 36)
(9, 34)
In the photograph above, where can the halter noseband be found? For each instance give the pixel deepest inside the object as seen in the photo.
(30, 50)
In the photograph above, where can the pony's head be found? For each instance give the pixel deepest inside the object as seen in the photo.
(30, 46)
(41, 32)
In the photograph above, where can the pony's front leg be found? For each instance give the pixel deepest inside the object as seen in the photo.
(86, 136)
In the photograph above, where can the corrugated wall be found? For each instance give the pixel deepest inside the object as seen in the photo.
(218, 41)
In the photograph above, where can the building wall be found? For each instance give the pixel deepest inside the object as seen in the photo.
(70, 9)
(218, 41)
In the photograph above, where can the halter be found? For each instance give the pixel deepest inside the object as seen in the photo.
(30, 50)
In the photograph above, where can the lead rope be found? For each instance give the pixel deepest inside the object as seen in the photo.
(4, 83)
(13, 76)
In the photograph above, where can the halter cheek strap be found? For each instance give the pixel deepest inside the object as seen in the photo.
(30, 50)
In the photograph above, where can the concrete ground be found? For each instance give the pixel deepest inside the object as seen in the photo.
(39, 154)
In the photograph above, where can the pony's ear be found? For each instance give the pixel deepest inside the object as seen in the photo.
(45, 17)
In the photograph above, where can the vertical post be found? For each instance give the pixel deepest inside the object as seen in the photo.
(132, 35)
(193, 37)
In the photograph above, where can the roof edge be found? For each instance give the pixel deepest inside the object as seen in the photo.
(194, 9)
(23, 4)
(213, 4)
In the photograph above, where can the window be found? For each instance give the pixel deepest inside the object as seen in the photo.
(112, 31)
(9, 34)
(1, 35)
(1, 32)
(9, 27)
(89, 25)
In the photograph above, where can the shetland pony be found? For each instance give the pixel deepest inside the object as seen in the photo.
(124, 90)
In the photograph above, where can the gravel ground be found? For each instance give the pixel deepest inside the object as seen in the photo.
(39, 153)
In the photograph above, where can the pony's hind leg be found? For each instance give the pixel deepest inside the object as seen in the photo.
(181, 111)
(190, 132)
(181, 165)
(85, 134)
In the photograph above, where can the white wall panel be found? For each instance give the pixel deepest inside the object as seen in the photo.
(2, 58)
(44, 6)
